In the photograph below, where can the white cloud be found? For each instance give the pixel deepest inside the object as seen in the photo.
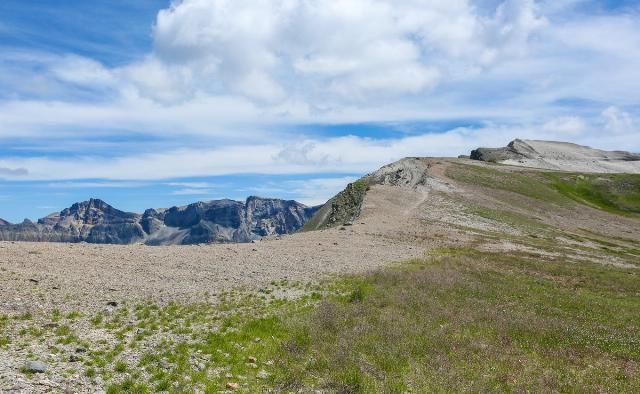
(242, 74)
(82, 71)
(336, 155)
(316, 191)
(357, 49)
(312, 191)
(617, 121)
(569, 126)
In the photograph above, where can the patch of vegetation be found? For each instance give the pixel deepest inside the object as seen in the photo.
(120, 366)
(616, 193)
(344, 207)
(130, 386)
(527, 183)
(463, 320)
(457, 320)
(508, 217)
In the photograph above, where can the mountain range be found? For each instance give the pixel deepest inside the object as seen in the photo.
(220, 221)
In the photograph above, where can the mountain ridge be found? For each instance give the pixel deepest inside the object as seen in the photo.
(220, 221)
(557, 155)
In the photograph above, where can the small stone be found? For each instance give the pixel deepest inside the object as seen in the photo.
(262, 374)
(81, 350)
(112, 303)
(36, 366)
(232, 386)
(252, 360)
(73, 358)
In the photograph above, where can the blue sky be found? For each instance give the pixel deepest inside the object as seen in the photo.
(152, 104)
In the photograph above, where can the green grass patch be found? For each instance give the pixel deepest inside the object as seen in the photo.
(462, 320)
(527, 183)
(616, 193)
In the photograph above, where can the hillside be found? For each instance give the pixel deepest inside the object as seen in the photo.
(427, 275)
(95, 221)
(564, 156)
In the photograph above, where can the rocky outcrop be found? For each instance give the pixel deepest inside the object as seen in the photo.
(343, 208)
(346, 206)
(563, 156)
(95, 221)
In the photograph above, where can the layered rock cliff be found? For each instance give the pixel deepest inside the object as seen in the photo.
(555, 155)
(95, 221)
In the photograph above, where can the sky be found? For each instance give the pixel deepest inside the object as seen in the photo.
(153, 103)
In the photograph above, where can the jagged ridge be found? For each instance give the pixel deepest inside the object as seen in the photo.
(95, 221)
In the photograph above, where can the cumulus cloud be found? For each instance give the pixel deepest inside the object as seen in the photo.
(355, 49)
(242, 75)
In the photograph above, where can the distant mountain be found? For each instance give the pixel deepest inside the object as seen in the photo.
(220, 221)
(3, 222)
(563, 156)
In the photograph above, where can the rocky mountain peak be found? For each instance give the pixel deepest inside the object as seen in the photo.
(558, 155)
(91, 212)
(201, 222)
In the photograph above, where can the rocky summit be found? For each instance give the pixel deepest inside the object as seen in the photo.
(555, 155)
(220, 221)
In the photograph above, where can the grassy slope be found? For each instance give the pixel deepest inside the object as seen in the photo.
(457, 320)
(464, 320)
(617, 193)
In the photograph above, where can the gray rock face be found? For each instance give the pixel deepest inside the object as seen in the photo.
(95, 221)
(3, 222)
(563, 156)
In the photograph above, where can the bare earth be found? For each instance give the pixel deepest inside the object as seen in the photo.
(85, 276)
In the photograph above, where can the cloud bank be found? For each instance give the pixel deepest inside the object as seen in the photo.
(227, 86)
